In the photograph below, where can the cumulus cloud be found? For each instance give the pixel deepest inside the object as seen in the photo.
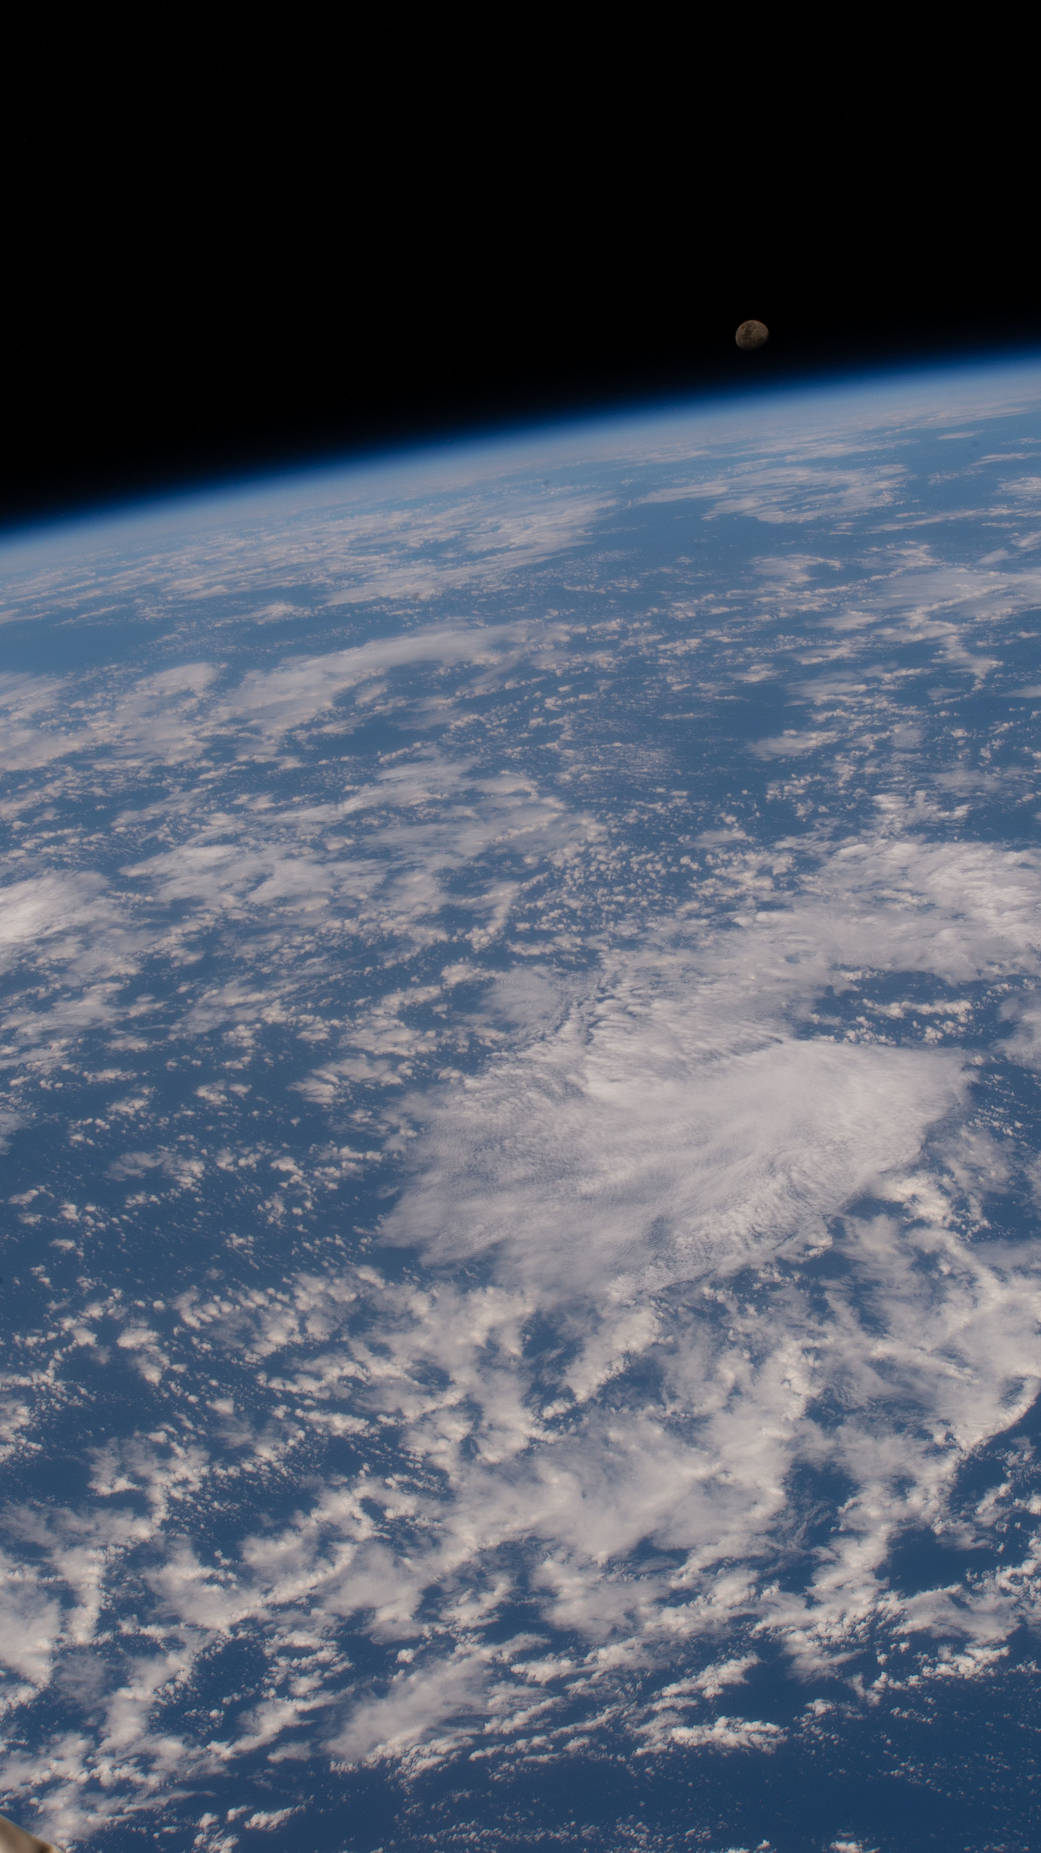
(792, 492)
(639, 1153)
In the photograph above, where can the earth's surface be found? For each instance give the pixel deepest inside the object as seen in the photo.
(520, 1048)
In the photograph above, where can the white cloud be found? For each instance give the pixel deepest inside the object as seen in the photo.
(799, 492)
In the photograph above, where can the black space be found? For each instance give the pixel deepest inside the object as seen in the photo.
(180, 316)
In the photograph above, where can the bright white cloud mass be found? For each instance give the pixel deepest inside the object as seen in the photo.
(519, 1057)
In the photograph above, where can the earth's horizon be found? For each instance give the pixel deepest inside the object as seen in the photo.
(520, 1093)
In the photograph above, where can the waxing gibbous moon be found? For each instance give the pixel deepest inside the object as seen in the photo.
(752, 334)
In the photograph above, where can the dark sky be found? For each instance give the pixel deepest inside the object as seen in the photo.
(184, 324)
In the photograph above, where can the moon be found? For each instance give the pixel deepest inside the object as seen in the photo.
(752, 334)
